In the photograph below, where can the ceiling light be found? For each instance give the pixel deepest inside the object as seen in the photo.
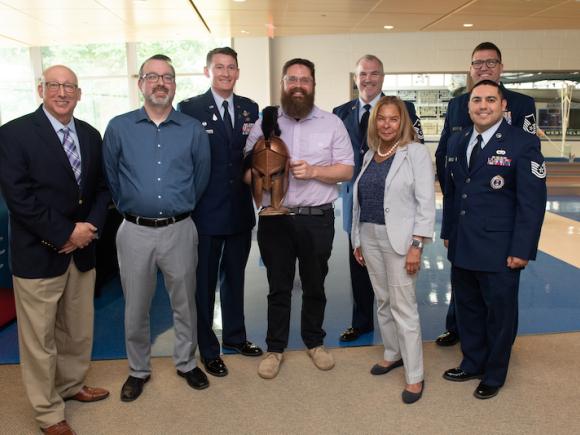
(245, 32)
(389, 27)
(239, 1)
(468, 25)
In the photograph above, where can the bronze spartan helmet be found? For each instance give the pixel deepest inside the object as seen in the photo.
(270, 165)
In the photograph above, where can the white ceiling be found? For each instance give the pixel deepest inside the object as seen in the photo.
(42, 22)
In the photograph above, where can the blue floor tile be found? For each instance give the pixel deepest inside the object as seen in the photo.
(549, 300)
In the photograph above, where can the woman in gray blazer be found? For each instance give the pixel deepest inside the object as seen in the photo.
(393, 216)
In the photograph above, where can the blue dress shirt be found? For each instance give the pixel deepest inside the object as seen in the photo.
(156, 171)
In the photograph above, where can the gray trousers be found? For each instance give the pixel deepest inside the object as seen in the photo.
(397, 313)
(142, 251)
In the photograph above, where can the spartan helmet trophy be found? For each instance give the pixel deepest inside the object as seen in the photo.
(270, 165)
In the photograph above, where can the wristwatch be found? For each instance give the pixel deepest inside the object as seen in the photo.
(416, 243)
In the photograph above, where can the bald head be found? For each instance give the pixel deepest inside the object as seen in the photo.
(56, 69)
(59, 91)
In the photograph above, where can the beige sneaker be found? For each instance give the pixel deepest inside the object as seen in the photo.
(270, 365)
(321, 357)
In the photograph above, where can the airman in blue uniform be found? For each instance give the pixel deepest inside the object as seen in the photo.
(486, 64)
(369, 77)
(493, 209)
(224, 217)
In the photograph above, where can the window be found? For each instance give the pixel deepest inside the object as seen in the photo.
(102, 74)
(18, 93)
(188, 58)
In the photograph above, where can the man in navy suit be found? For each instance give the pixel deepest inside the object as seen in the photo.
(493, 209)
(369, 76)
(51, 179)
(486, 64)
(225, 214)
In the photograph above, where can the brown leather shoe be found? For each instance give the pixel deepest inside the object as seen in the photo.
(61, 428)
(90, 394)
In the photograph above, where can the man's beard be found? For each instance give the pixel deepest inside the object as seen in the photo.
(159, 101)
(297, 108)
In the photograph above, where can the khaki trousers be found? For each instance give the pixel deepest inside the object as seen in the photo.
(397, 313)
(55, 330)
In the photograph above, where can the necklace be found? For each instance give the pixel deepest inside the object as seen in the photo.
(389, 152)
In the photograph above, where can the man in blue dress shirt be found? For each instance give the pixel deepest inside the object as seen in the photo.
(486, 64)
(224, 216)
(369, 76)
(157, 165)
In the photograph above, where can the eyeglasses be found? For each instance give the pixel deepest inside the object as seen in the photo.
(154, 77)
(295, 80)
(69, 88)
(490, 63)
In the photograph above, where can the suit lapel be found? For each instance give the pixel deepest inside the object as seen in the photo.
(217, 122)
(352, 121)
(462, 150)
(51, 139)
(239, 118)
(83, 137)
(400, 156)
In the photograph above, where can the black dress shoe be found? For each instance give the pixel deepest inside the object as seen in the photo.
(485, 391)
(448, 338)
(458, 375)
(246, 348)
(215, 367)
(132, 388)
(196, 378)
(350, 334)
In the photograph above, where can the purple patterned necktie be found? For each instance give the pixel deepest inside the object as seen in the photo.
(71, 152)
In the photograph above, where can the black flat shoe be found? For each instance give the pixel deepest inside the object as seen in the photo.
(446, 339)
(195, 378)
(410, 397)
(378, 369)
(215, 367)
(132, 388)
(458, 375)
(485, 391)
(246, 348)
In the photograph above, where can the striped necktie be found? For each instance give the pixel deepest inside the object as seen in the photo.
(71, 152)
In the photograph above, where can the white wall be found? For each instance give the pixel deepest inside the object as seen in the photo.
(335, 55)
(254, 63)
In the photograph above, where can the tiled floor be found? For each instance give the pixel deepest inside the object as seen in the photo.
(549, 293)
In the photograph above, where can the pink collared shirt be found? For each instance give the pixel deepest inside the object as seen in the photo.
(320, 139)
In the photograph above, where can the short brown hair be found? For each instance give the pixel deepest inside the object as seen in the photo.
(228, 51)
(299, 61)
(406, 133)
(371, 58)
(487, 46)
(161, 57)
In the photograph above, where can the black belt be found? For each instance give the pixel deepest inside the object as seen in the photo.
(153, 222)
(318, 210)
